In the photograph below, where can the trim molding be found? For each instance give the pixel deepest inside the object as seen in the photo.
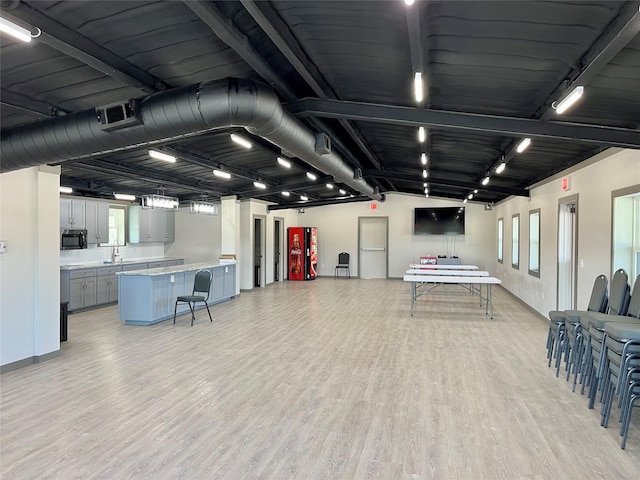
(29, 361)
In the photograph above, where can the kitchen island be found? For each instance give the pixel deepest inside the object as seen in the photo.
(148, 296)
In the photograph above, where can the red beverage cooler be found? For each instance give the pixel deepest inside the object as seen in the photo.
(303, 253)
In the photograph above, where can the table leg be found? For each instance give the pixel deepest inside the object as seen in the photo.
(413, 296)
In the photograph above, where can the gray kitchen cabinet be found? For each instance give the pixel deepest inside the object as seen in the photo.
(72, 214)
(229, 280)
(107, 285)
(148, 225)
(97, 222)
(82, 289)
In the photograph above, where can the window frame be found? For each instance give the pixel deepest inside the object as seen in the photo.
(534, 243)
(515, 241)
(501, 240)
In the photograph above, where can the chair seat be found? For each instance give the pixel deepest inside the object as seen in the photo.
(599, 320)
(190, 298)
(627, 330)
(557, 316)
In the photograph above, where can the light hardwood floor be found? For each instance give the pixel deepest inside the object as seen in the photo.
(330, 379)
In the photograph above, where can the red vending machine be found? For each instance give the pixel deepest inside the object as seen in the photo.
(303, 253)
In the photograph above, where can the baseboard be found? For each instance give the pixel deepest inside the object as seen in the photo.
(29, 361)
(525, 304)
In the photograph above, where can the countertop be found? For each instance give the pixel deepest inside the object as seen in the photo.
(125, 262)
(150, 272)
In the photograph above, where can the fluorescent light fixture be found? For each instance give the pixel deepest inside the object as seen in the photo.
(409, 2)
(284, 162)
(330, 186)
(14, 30)
(422, 134)
(312, 176)
(259, 185)
(464, 201)
(65, 189)
(475, 190)
(425, 185)
(523, 145)
(241, 140)
(424, 174)
(569, 100)
(159, 202)
(485, 180)
(203, 208)
(423, 159)
(124, 196)
(285, 194)
(162, 156)
(221, 174)
(342, 191)
(470, 196)
(426, 195)
(426, 190)
(304, 198)
(500, 168)
(417, 86)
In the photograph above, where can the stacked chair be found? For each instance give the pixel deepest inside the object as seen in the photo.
(562, 326)
(620, 363)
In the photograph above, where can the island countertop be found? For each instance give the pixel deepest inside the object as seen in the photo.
(150, 272)
(97, 264)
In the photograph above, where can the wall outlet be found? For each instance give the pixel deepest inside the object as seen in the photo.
(582, 263)
(172, 279)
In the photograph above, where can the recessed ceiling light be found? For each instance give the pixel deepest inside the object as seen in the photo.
(312, 176)
(241, 140)
(165, 157)
(221, 174)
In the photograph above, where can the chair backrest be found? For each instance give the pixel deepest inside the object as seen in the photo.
(619, 297)
(202, 282)
(343, 258)
(634, 302)
(598, 300)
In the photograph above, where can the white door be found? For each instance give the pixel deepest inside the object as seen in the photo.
(373, 251)
(567, 254)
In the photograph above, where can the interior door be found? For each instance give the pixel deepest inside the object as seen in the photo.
(258, 269)
(277, 250)
(567, 253)
(373, 252)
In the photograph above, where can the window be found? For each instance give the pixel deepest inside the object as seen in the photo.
(500, 239)
(534, 242)
(117, 225)
(515, 241)
(625, 235)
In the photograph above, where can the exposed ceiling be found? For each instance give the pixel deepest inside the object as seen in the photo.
(491, 70)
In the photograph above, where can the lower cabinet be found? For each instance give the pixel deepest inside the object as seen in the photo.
(107, 289)
(82, 293)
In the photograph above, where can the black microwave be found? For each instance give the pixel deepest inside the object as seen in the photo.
(73, 239)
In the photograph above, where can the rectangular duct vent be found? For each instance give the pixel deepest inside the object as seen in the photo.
(323, 143)
(118, 115)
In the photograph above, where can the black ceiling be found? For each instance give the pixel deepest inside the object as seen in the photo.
(492, 71)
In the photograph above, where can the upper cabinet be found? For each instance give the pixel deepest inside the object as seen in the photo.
(72, 214)
(149, 225)
(97, 221)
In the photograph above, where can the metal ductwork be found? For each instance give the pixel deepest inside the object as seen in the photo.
(173, 115)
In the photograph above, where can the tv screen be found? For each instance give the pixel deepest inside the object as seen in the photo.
(438, 221)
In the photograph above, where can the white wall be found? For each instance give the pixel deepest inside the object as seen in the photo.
(197, 237)
(594, 182)
(30, 269)
(338, 232)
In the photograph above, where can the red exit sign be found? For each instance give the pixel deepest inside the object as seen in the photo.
(566, 185)
(373, 206)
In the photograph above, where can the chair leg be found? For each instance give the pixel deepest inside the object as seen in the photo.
(193, 316)
(175, 309)
(208, 311)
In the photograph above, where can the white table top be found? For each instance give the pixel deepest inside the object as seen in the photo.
(450, 279)
(443, 267)
(457, 273)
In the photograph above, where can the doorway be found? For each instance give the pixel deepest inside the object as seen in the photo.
(567, 252)
(278, 248)
(258, 252)
(373, 254)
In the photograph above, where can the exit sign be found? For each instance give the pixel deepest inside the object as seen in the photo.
(566, 185)
(373, 206)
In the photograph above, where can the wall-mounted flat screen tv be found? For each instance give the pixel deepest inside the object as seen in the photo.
(438, 221)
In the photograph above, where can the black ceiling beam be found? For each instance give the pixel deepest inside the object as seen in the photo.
(275, 29)
(317, 203)
(411, 177)
(186, 183)
(290, 187)
(414, 117)
(29, 105)
(415, 41)
(71, 43)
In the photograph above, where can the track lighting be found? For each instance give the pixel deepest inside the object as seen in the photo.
(500, 168)
(569, 100)
(485, 180)
(523, 145)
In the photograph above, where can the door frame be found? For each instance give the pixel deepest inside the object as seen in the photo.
(282, 261)
(386, 247)
(564, 201)
(263, 242)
